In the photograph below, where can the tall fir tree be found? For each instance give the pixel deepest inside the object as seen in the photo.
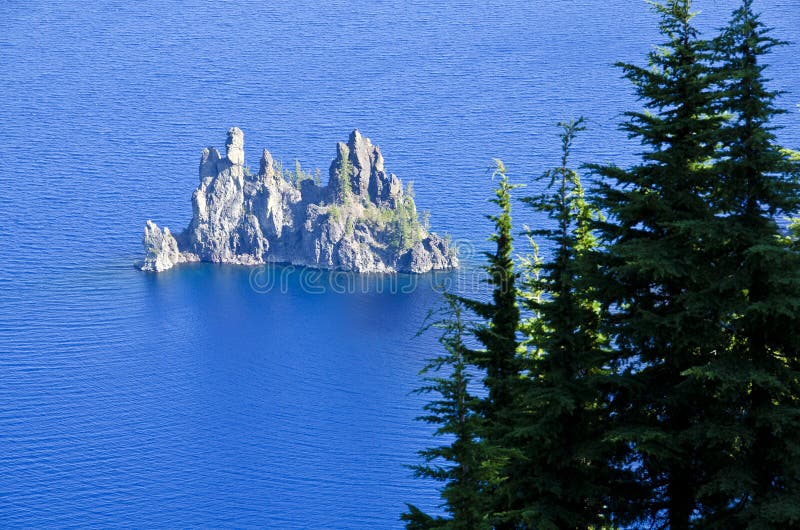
(657, 276)
(499, 357)
(501, 316)
(755, 376)
(458, 463)
(562, 412)
(486, 502)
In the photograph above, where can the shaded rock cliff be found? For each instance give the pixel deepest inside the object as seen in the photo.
(362, 220)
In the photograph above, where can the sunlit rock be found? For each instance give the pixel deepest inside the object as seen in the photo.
(362, 220)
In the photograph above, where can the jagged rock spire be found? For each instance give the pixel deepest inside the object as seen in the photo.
(234, 146)
(209, 159)
(369, 179)
(266, 166)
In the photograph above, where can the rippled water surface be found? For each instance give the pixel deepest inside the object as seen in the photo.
(189, 398)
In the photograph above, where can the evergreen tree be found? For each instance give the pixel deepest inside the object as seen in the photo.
(480, 426)
(661, 382)
(498, 358)
(501, 314)
(457, 464)
(756, 374)
(344, 174)
(561, 409)
(657, 275)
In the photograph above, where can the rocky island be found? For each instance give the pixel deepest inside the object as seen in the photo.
(363, 220)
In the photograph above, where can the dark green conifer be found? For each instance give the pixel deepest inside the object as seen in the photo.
(755, 375)
(498, 334)
(479, 456)
(561, 407)
(458, 463)
(657, 274)
(499, 357)
(661, 381)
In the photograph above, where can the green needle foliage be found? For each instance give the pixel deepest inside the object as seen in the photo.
(344, 173)
(561, 407)
(755, 376)
(501, 314)
(476, 462)
(657, 270)
(498, 358)
(654, 381)
(459, 463)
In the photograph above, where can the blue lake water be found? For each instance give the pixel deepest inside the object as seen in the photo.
(191, 398)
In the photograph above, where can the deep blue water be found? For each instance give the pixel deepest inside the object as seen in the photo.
(191, 398)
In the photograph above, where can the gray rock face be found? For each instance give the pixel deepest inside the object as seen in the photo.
(161, 249)
(361, 221)
(368, 179)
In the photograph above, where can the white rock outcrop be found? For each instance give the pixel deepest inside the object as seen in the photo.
(161, 249)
